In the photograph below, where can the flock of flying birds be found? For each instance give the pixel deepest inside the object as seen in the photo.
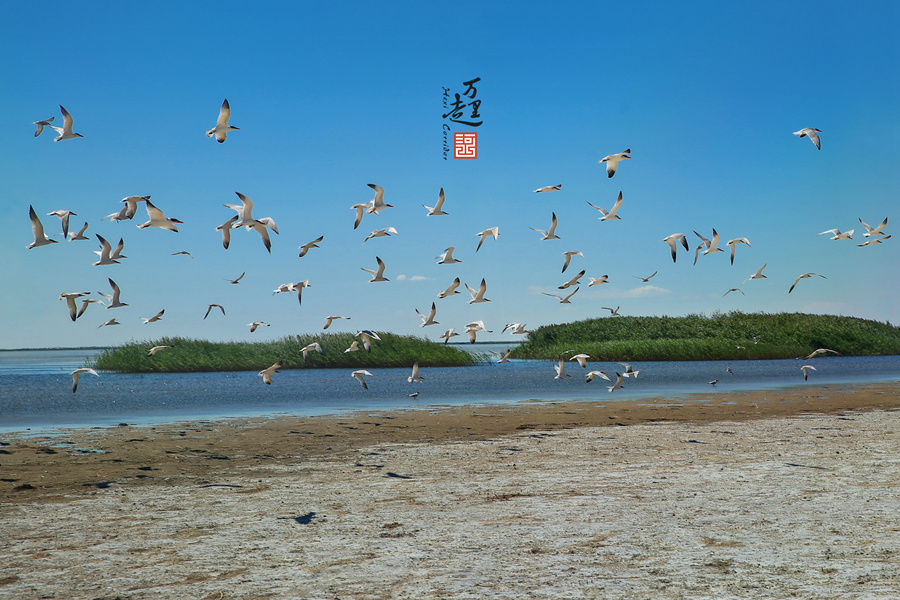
(244, 219)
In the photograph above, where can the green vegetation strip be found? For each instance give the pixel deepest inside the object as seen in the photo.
(731, 336)
(188, 355)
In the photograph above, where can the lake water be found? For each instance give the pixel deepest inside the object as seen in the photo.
(36, 387)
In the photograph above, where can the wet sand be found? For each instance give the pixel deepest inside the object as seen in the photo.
(752, 495)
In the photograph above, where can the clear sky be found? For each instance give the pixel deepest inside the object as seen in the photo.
(331, 98)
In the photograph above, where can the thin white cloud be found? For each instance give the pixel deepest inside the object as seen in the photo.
(412, 278)
(645, 291)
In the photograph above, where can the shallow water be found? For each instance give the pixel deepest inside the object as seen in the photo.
(35, 387)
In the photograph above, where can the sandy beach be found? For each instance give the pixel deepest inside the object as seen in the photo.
(772, 494)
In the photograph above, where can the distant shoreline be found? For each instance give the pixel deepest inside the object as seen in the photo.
(54, 349)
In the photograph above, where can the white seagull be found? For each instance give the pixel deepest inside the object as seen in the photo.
(260, 228)
(313, 347)
(70, 298)
(358, 375)
(438, 208)
(354, 347)
(154, 318)
(610, 214)
(759, 273)
(210, 307)
(617, 385)
(733, 243)
(65, 132)
(593, 374)
(429, 319)
(78, 372)
(599, 280)
(360, 211)
(568, 257)
(64, 217)
(244, 211)
(156, 349)
(256, 324)
(550, 234)
(266, 374)
(331, 318)
(114, 297)
(310, 245)
(447, 335)
(113, 321)
(131, 203)
(37, 228)
(367, 336)
(549, 188)
(819, 352)
(225, 228)
(612, 161)
(560, 298)
(734, 290)
(870, 231)
(84, 304)
(573, 281)
(117, 253)
(386, 232)
(478, 296)
(80, 235)
(838, 235)
(712, 246)
(646, 279)
(515, 328)
(804, 276)
(104, 252)
(673, 240)
(220, 131)
(492, 232)
(806, 369)
(581, 359)
(451, 289)
(376, 275)
(613, 312)
(158, 219)
(41, 125)
(447, 257)
(236, 281)
(813, 135)
(414, 376)
(560, 369)
(874, 241)
(629, 372)
(377, 203)
(501, 358)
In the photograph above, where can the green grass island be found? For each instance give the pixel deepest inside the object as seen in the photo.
(721, 336)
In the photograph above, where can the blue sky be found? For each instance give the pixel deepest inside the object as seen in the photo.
(330, 99)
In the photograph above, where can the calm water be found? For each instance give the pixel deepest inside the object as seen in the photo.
(35, 387)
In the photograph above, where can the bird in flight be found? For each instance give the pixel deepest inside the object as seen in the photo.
(220, 131)
(211, 306)
(438, 208)
(804, 276)
(377, 275)
(492, 232)
(549, 188)
(812, 133)
(673, 240)
(550, 234)
(37, 228)
(65, 132)
(612, 161)
(266, 374)
(78, 372)
(610, 214)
